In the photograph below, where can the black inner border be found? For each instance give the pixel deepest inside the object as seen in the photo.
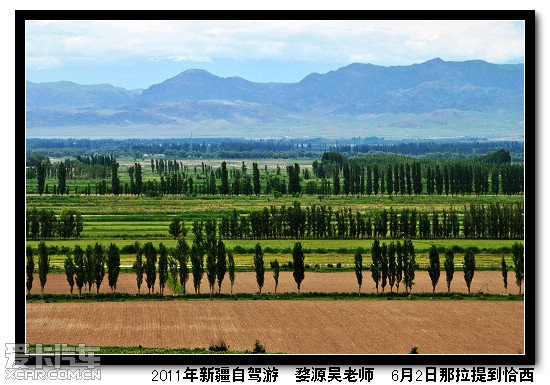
(528, 358)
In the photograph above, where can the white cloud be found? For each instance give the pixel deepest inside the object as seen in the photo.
(57, 43)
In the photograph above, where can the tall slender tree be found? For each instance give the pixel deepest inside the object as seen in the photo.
(150, 254)
(182, 257)
(434, 267)
(231, 269)
(358, 259)
(449, 267)
(43, 265)
(276, 269)
(375, 268)
(469, 267)
(298, 264)
(221, 264)
(163, 267)
(259, 266)
(504, 270)
(113, 266)
(99, 265)
(29, 268)
(80, 269)
(518, 259)
(69, 271)
(138, 266)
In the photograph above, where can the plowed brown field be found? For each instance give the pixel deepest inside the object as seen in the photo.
(286, 326)
(245, 282)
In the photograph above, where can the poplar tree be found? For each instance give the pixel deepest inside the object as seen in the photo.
(376, 255)
(518, 259)
(358, 259)
(43, 265)
(231, 269)
(392, 266)
(384, 266)
(449, 267)
(298, 264)
(221, 264)
(434, 267)
(469, 267)
(259, 266)
(99, 265)
(138, 266)
(211, 268)
(163, 267)
(182, 257)
(150, 254)
(113, 266)
(40, 176)
(276, 269)
(504, 269)
(224, 177)
(29, 268)
(80, 268)
(197, 263)
(256, 178)
(69, 272)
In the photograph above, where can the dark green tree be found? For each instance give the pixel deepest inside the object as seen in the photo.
(434, 267)
(90, 267)
(211, 268)
(504, 269)
(518, 259)
(197, 264)
(276, 269)
(259, 266)
(115, 181)
(43, 265)
(181, 254)
(69, 272)
(358, 259)
(392, 266)
(221, 264)
(40, 177)
(62, 178)
(99, 265)
(139, 266)
(150, 254)
(449, 267)
(163, 267)
(256, 178)
(113, 266)
(225, 181)
(469, 267)
(80, 269)
(298, 264)
(376, 265)
(231, 269)
(29, 268)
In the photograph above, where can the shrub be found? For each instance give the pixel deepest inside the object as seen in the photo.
(317, 266)
(289, 264)
(219, 346)
(457, 249)
(339, 265)
(128, 249)
(239, 250)
(258, 347)
(330, 265)
(414, 350)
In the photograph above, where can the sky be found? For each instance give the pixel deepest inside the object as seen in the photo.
(137, 54)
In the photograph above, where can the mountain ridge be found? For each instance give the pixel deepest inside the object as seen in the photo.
(352, 91)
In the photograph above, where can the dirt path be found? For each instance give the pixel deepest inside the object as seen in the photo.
(245, 282)
(286, 326)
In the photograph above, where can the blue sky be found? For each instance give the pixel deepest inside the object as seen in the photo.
(137, 54)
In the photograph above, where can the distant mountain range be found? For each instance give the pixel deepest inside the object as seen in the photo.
(356, 98)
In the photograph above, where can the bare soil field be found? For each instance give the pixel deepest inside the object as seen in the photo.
(245, 282)
(329, 327)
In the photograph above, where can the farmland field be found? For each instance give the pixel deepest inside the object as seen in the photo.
(331, 327)
(332, 324)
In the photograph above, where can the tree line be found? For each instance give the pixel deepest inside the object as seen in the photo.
(44, 224)
(391, 265)
(492, 221)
